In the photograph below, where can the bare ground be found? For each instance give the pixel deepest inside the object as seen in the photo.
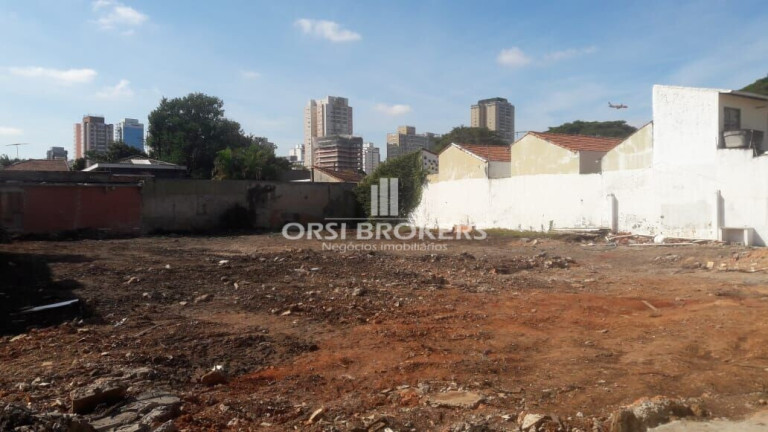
(557, 328)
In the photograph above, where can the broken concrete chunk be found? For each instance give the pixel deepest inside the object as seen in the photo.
(457, 399)
(103, 391)
(531, 421)
(647, 413)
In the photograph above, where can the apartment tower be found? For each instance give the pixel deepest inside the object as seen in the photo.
(495, 114)
(406, 140)
(322, 118)
(92, 134)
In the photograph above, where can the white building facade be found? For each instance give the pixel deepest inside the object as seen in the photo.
(706, 177)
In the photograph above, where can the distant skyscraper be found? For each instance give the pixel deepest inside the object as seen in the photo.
(338, 152)
(495, 114)
(56, 153)
(371, 157)
(131, 132)
(92, 134)
(406, 140)
(296, 154)
(325, 117)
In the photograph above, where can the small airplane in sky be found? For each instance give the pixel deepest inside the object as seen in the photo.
(619, 106)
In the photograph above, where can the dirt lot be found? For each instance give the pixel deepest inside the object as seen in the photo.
(373, 340)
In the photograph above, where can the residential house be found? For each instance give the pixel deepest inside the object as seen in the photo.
(553, 153)
(140, 166)
(635, 152)
(465, 161)
(326, 175)
(39, 165)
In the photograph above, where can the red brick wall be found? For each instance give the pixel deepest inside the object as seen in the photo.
(51, 208)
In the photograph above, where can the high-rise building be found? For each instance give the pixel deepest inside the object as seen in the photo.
(406, 140)
(296, 154)
(131, 132)
(92, 134)
(338, 152)
(495, 114)
(371, 157)
(325, 117)
(56, 153)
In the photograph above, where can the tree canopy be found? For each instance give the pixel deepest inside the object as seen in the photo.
(191, 131)
(115, 151)
(760, 87)
(6, 161)
(468, 135)
(78, 164)
(257, 161)
(613, 129)
(411, 177)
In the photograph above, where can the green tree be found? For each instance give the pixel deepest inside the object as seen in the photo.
(409, 171)
(468, 135)
(256, 161)
(614, 129)
(78, 164)
(191, 131)
(5, 161)
(115, 151)
(760, 87)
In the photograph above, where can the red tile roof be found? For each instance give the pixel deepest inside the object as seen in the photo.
(579, 142)
(39, 165)
(344, 176)
(494, 153)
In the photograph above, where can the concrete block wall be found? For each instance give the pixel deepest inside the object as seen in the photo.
(195, 205)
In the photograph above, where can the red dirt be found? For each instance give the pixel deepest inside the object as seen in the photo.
(370, 336)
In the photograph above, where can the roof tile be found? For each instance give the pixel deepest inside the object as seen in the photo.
(494, 153)
(579, 142)
(40, 165)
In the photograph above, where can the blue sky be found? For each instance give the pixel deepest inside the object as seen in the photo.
(399, 62)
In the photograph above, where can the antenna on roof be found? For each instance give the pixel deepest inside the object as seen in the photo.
(17, 147)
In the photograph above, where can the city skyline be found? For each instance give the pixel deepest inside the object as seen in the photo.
(561, 63)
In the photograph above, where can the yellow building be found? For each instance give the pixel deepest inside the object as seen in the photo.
(552, 153)
(465, 161)
(635, 152)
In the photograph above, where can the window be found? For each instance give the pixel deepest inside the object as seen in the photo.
(732, 119)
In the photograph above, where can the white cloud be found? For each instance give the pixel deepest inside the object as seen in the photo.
(247, 74)
(569, 53)
(327, 30)
(119, 91)
(98, 4)
(63, 76)
(393, 110)
(513, 57)
(113, 14)
(10, 131)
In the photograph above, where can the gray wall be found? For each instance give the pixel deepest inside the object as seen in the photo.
(190, 205)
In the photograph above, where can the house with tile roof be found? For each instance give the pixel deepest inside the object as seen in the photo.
(553, 153)
(466, 161)
(635, 152)
(39, 165)
(326, 175)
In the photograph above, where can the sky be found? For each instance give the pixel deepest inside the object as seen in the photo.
(420, 63)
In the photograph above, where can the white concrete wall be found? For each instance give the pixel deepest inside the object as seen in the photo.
(690, 191)
(686, 126)
(498, 169)
(674, 202)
